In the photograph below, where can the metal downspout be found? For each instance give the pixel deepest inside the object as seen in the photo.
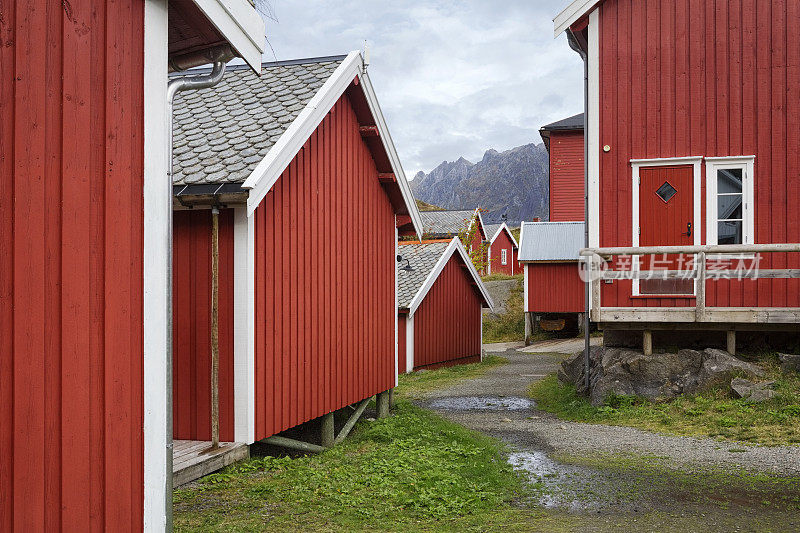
(174, 87)
(573, 43)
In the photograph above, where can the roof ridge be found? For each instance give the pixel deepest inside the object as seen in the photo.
(264, 64)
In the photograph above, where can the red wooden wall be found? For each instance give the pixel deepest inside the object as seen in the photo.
(554, 288)
(710, 78)
(566, 176)
(503, 241)
(325, 304)
(401, 343)
(71, 259)
(191, 337)
(447, 324)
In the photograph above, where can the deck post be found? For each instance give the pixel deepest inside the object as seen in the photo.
(382, 402)
(527, 328)
(214, 327)
(647, 342)
(700, 300)
(327, 434)
(731, 341)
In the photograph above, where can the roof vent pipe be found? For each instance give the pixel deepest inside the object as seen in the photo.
(176, 85)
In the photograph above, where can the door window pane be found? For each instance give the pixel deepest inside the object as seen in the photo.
(666, 191)
(729, 180)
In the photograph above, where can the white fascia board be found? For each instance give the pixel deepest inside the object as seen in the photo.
(240, 25)
(502, 227)
(433, 275)
(391, 152)
(571, 14)
(292, 140)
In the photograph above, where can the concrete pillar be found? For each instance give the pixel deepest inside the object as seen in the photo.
(382, 399)
(527, 328)
(731, 342)
(327, 431)
(647, 342)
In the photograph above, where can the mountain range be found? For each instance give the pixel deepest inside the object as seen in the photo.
(514, 182)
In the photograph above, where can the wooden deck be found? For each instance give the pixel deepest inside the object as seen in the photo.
(192, 459)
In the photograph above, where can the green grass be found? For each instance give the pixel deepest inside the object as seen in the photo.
(711, 414)
(416, 384)
(412, 471)
(510, 326)
(501, 277)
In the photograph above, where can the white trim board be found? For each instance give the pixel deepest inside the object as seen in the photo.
(571, 14)
(409, 343)
(269, 169)
(157, 227)
(433, 275)
(243, 352)
(636, 164)
(593, 128)
(240, 25)
(510, 235)
(747, 163)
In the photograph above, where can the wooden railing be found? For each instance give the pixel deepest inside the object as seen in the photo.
(596, 269)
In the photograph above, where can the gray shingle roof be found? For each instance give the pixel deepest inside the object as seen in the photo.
(551, 241)
(445, 223)
(222, 133)
(575, 122)
(422, 258)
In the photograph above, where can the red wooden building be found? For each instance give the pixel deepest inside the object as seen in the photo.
(440, 300)
(503, 251)
(692, 135)
(444, 224)
(84, 244)
(564, 142)
(299, 163)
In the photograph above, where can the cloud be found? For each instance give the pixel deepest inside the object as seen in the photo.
(454, 77)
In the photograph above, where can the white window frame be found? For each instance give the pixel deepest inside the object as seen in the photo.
(503, 256)
(747, 164)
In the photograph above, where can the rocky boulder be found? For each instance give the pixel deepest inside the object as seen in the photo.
(789, 362)
(754, 392)
(660, 376)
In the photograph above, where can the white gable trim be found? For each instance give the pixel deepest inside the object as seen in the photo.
(292, 140)
(502, 227)
(240, 25)
(572, 13)
(433, 275)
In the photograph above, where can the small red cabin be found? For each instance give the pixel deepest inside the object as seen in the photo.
(692, 133)
(84, 247)
(503, 251)
(307, 323)
(440, 301)
(448, 224)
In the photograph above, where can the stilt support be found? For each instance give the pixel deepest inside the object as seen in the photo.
(731, 344)
(527, 329)
(647, 342)
(292, 444)
(383, 400)
(327, 431)
(351, 421)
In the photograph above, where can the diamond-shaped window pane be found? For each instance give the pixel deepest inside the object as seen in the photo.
(666, 191)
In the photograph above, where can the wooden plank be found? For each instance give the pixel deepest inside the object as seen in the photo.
(201, 464)
(713, 314)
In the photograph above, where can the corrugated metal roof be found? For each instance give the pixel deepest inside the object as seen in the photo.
(422, 258)
(222, 133)
(551, 241)
(445, 223)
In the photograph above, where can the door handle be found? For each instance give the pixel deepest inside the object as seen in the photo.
(688, 229)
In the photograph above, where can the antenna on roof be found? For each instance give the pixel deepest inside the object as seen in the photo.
(366, 56)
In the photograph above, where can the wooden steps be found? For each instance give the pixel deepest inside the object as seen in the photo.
(193, 459)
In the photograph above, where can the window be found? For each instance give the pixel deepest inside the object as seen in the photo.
(729, 185)
(666, 191)
(503, 259)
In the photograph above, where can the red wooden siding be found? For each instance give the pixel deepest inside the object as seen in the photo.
(191, 351)
(447, 324)
(712, 78)
(566, 176)
(324, 332)
(554, 288)
(503, 241)
(71, 260)
(401, 343)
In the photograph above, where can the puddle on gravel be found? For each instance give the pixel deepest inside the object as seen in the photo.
(482, 403)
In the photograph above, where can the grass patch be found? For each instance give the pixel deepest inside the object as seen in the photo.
(501, 277)
(413, 471)
(712, 414)
(415, 384)
(509, 326)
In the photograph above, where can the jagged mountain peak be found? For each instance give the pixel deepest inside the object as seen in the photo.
(513, 181)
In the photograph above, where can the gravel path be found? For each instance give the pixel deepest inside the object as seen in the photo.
(529, 428)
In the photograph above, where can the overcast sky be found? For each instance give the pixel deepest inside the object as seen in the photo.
(454, 78)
